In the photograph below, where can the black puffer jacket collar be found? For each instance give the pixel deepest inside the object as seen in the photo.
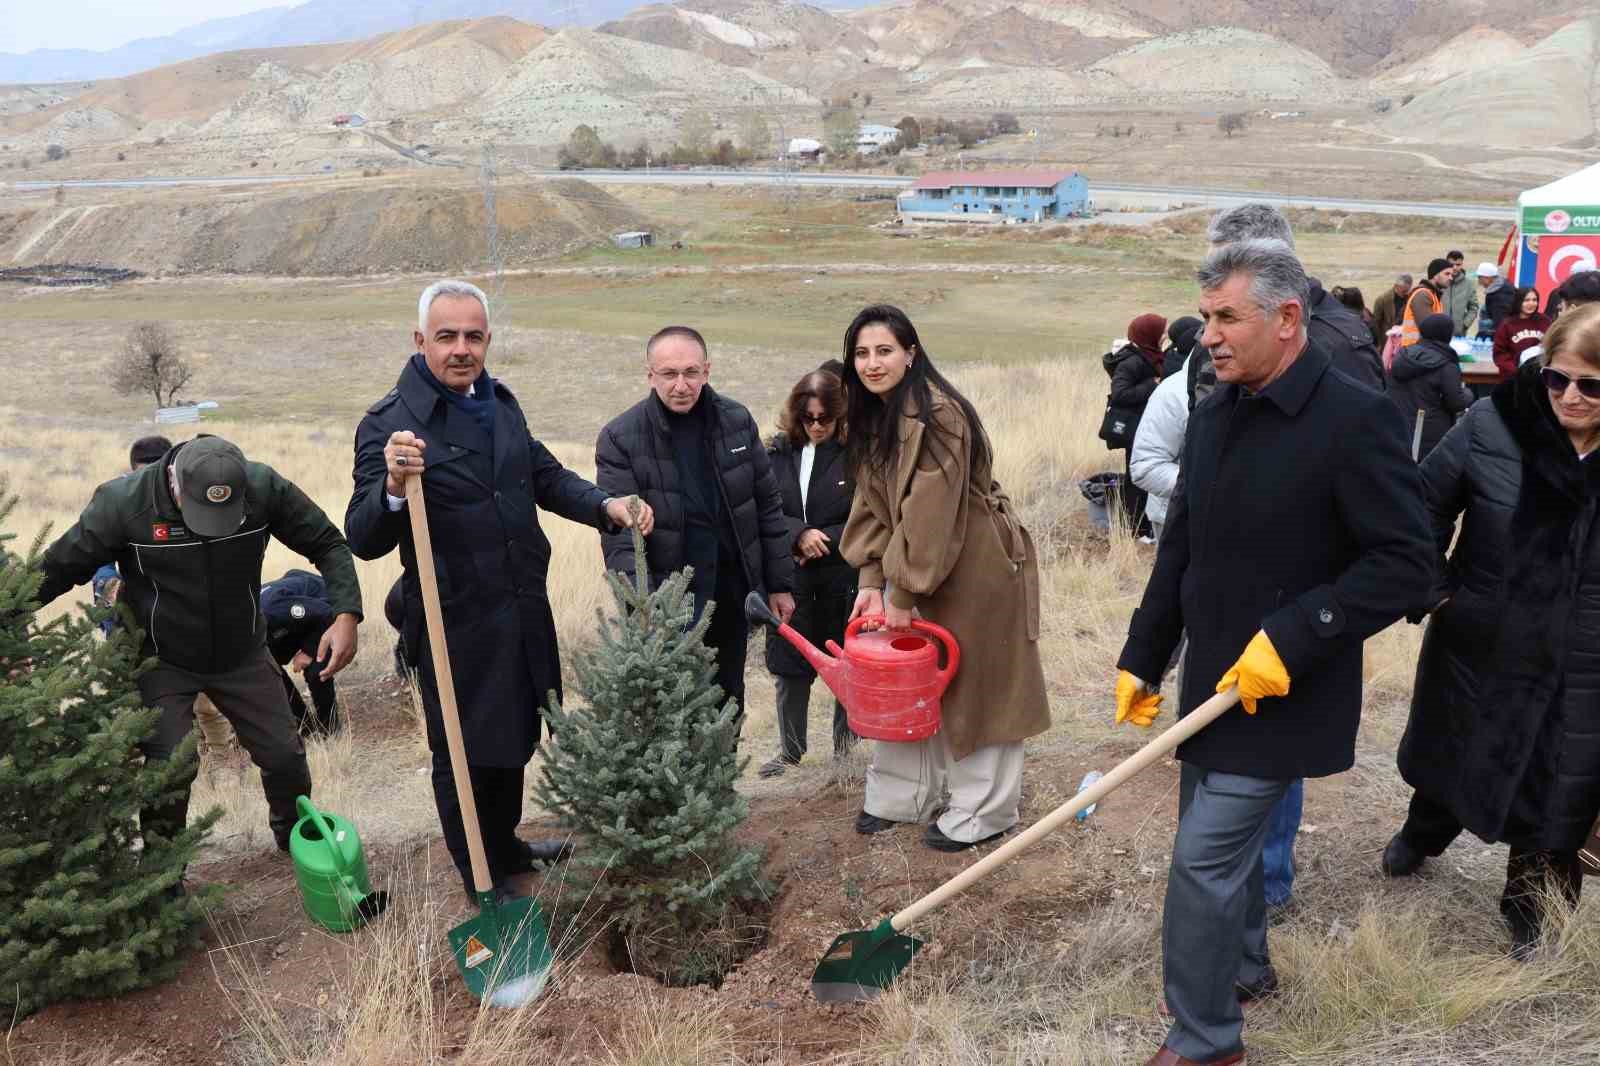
(1111, 359)
(1421, 358)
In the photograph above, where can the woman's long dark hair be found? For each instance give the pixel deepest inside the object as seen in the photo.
(874, 421)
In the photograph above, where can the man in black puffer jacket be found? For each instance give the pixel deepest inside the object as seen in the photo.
(697, 459)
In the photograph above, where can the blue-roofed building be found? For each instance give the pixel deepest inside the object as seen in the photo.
(995, 196)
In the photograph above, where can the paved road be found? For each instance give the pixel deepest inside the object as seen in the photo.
(1132, 195)
(1153, 196)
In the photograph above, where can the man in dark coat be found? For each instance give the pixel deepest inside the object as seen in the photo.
(1332, 326)
(697, 458)
(1296, 532)
(487, 477)
(1339, 332)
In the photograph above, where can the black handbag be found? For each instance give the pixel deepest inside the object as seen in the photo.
(1118, 426)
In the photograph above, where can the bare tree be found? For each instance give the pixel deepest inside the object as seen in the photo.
(150, 362)
(1232, 122)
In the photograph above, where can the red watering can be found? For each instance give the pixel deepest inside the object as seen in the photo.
(889, 680)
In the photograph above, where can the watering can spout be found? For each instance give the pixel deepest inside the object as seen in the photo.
(828, 667)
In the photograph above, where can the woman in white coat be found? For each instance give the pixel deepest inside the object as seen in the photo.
(1158, 445)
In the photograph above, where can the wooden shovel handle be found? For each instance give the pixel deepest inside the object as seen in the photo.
(1168, 741)
(445, 682)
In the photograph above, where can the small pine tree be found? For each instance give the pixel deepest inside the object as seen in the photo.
(646, 774)
(82, 913)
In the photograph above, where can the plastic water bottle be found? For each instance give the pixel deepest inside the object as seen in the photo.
(1088, 779)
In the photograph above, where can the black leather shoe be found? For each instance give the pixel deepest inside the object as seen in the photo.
(867, 824)
(1400, 859)
(1524, 941)
(776, 767)
(1259, 989)
(936, 839)
(532, 855)
(503, 892)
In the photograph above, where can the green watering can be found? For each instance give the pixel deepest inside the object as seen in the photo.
(332, 871)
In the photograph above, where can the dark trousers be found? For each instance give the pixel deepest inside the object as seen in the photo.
(794, 700)
(1530, 872)
(1214, 922)
(324, 718)
(729, 631)
(1134, 499)
(252, 699)
(497, 793)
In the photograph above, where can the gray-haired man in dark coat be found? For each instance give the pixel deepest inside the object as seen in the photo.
(1297, 531)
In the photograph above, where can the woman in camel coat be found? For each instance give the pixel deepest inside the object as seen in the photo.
(933, 535)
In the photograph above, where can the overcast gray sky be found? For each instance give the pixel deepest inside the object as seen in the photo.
(101, 24)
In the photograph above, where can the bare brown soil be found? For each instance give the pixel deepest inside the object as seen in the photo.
(830, 880)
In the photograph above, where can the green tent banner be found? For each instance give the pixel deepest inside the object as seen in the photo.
(1575, 219)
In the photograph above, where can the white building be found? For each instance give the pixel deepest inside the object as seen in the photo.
(871, 138)
(804, 148)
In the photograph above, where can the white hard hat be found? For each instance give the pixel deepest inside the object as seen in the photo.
(1488, 270)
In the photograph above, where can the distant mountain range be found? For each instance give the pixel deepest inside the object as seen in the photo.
(313, 22)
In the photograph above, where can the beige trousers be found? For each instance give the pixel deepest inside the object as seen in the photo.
(216, 736)
(981, 794)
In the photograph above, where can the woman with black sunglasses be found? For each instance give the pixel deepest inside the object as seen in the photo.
(808, 461)
(1504, 739)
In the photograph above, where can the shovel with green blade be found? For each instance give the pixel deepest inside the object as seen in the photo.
(859, 965)
(504, 952)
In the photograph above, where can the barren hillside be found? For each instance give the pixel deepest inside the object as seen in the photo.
(1478, 48)
(1220, 61)
(624, 88)
(1547, 95)
(402, 73)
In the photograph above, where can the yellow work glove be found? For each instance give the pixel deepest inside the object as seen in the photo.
(1259, 673)
(1136, 702)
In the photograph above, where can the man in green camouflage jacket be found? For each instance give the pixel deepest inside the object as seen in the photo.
(189, 534)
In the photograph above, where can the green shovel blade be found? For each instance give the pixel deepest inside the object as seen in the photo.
(860, 965)
(503, 952)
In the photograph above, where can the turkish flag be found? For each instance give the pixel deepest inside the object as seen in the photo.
(1562, 257)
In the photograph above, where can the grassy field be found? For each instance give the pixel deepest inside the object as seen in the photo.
(1408, 974)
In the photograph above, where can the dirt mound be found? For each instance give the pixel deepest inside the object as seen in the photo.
(1537, 99)
(1219, 62)
(371, 228)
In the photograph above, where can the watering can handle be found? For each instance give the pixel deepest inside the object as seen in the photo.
(952, 650)
(304, 806)
(1166, 742)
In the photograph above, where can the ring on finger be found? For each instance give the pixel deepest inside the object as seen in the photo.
(399, 460)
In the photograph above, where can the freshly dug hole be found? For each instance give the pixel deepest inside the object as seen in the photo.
(667, 951)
